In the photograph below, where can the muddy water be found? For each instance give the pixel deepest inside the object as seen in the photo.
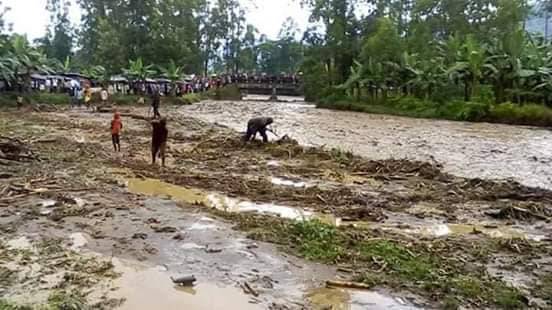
(465, 149)
(157, 188)
(139, 283)
(340, 299)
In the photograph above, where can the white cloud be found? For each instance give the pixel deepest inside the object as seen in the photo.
(30, 16)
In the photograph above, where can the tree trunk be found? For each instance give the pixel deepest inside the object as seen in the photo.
(466, 91)
(546, 20)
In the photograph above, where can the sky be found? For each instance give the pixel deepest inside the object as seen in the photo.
(30, 16)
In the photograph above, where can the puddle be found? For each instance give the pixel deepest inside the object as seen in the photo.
(153, 187)
(235, 205)
(286, 182)
(22, 243)
(192, 246)
(158, 188)
(200, 226)
(442, 230)
(48, 203)
(213, 200)
(78, 240)
(342, 299)
(151, 288)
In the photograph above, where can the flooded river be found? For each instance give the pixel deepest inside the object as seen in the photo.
(481, 150)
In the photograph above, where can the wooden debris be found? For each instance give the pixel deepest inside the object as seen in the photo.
(249, 290)
(344, 284)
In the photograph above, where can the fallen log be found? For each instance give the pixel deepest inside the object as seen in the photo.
(345, 284)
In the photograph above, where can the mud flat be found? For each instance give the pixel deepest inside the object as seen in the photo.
(277, 226)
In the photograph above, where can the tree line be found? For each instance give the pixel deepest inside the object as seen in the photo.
(478, 50)
(198, 36)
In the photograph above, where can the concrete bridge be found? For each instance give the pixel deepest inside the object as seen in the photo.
(276, 89)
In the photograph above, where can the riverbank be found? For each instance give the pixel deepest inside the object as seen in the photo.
(506, 113)
(398, 226)
(9, 99)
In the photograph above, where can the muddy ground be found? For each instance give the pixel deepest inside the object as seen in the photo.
(260, 226)
(481, 150)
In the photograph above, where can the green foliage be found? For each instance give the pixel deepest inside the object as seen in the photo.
(529, 114)
(49, 98)
(5, 305)
(230, 92)
(66, 301)
(191, 98)
(121, 99)
(316, 240)
(400, 260)
(384, 44)
(138, 71)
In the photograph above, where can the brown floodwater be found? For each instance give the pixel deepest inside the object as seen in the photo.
(481, 150)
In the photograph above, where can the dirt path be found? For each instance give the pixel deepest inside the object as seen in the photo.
(73, 212)
(466, 149)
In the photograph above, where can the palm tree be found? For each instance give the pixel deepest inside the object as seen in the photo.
(173, 73)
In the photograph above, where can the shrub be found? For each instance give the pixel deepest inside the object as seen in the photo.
(529, 114)
(472, 111)
(230, 92)
(316, 240)
(121, 99)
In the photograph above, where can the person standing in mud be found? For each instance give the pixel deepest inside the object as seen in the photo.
(258, 125)
(156, 102)
(159, 137)
(116, 127)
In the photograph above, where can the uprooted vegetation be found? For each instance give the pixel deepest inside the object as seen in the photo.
(449, 271)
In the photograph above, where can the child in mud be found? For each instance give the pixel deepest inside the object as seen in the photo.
(116, 127)
(159, 137)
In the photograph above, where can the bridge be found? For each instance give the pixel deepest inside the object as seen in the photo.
(277, 89)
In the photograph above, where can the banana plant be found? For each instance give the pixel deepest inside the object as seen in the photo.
(173, 73)
(469, 67)
(354, 83)
(138, 71)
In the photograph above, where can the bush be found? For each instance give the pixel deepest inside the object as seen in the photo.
(508, 113)
(121, 99)
(191, 98)
(49, 98)
(471, 111)
(529, 114)
(230, 92)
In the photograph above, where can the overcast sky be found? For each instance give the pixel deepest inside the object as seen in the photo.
(30, 16)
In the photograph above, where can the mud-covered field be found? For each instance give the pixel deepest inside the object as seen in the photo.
(277, 226)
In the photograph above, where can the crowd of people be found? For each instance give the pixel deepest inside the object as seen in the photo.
(199, 84)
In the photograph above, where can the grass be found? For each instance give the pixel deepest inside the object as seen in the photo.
(507, 113)
(544, 288)
(428, 268)
(317, 241)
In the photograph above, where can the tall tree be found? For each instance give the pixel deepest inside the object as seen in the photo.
(58, 41)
